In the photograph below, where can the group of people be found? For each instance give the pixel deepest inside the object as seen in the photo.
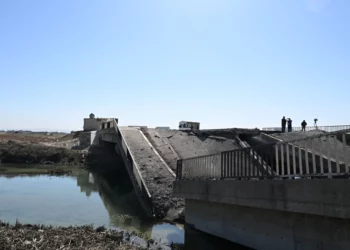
(288, 122)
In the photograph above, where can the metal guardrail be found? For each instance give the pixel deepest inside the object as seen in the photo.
(252, 162)
(226, 129)
(321, 156)
(324, 155)
(327, 129)
(202, 167)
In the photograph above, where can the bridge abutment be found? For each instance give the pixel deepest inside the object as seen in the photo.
(295, 214)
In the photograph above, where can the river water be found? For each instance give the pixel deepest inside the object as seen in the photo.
(82, 199)
(88, 198)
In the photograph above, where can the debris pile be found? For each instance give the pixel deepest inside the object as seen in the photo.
(29, 236)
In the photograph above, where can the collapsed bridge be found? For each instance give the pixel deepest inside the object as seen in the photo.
(151, 156)
(155, 157)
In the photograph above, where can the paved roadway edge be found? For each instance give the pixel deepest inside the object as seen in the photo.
(155, 151)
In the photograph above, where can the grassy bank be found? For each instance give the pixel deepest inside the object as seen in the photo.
(29, 169)
(30, 153)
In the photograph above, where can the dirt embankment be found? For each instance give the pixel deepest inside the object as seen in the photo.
(39, 149)
(30, 236)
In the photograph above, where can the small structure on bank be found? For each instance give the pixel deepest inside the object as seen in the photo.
(92, 123)
(92, 126)
(186, 125)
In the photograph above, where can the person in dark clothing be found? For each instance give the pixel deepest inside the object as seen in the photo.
(289, 125)
(303, 126)
(284, 122)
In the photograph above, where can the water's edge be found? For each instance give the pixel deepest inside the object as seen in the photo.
(82, 197)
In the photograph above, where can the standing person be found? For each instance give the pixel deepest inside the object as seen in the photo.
(284, 122)
(315, 124)
(289, 125)
(303, 125)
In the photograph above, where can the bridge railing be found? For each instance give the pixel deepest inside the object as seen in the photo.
(310, 128)
(321, 156)
(201, 167)
(251, 162)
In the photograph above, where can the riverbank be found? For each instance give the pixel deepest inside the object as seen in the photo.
(58, 155)
(40, 149)
(11, 170)
(30, 236)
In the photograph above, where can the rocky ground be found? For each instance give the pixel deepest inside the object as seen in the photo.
(38, 237)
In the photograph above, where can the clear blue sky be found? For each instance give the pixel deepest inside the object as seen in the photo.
(224, 63)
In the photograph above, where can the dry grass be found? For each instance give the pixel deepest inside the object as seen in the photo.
(31, 138)
(24, 237)
(16, 152)
(10, 170)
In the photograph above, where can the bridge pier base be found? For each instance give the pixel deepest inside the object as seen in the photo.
(271, 214)
(268, 229)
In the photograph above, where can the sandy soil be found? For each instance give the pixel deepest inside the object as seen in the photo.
(56, 140)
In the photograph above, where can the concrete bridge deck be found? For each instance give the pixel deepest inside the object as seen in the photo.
(156, 152)
(158, 177)
(174, 144)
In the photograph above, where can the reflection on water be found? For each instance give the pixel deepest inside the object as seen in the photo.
(166, 233)
(90, 198)
(195, 239)
(87, 198)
